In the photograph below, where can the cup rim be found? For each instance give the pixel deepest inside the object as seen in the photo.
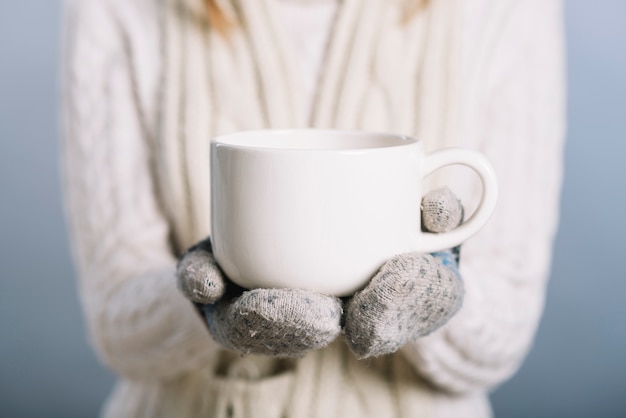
(227, 140)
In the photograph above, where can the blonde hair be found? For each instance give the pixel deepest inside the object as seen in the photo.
(223, 24)
(218, 19)
(412, 8)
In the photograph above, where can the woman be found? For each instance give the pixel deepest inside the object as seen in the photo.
(148, 82)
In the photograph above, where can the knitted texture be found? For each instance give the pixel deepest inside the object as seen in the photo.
(198, 277)
(275, 322)
(411, 296)
(441, 210)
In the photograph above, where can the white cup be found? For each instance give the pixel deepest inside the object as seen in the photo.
(324, 209)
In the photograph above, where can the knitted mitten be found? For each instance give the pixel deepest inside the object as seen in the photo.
(441, 211)
(275, 322)
(198, 276)
(412, 294)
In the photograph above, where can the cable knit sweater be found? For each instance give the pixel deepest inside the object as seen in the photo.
(148, 82)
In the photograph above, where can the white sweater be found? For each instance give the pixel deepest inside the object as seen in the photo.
(147, 83)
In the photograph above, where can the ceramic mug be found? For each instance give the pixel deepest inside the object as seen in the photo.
(324, 209)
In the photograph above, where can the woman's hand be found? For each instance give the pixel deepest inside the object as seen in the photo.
(412, 294)
(275, 322)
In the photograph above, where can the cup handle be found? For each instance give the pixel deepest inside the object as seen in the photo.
(432, 242)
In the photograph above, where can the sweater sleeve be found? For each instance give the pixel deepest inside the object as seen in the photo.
(138, 322)
(519, 115)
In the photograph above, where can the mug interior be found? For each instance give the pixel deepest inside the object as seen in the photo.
(312, 139)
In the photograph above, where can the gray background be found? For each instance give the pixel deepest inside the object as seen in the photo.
(577, 367)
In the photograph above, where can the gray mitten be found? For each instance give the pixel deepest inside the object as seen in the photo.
(275, 322)
(413, 294)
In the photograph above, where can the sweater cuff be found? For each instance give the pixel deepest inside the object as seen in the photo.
(145, 328)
